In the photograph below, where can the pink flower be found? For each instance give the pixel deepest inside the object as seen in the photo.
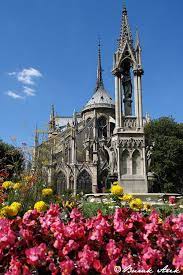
(178, 259)
(36, 255)
(74, 230)
(53, 268)
(15, 267)
(151, 257)
(97, 265)
(25, 270)
(97, 244)
(100, 228)
(51, 219)
(112, 250)
(75, 214)
(171, 199)
(7, 236)
(59, 242)
(109, 269)
(177, 225)
(86, 258)
(129, 238)
(120, 224)
(127, 260)
(70, 246)
(67, 267)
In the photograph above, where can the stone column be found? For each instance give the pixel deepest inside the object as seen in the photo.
(75, 180)
(136, 97)
(120, 103)
(140, 100)
(94, 180)
(73, 147)
(50, 176)
(130, 165)
(117, 111)
(144, 161)
(118, 164)
(87, 155)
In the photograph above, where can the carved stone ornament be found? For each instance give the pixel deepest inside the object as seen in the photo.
(132, 143)
(130, 123)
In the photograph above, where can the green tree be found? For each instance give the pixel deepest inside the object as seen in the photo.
(166, 136)
(11, 160)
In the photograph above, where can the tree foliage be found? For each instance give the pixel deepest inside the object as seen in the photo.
(11, 160)
(166, 136)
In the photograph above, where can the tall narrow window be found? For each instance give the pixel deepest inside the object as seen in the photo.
(84, 182)
(61, 182)
(136, 163)
(125, 163)
(102, 127)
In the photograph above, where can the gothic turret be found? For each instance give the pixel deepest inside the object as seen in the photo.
(52, 124)
(35, 149)
(128, 139)
(127, 59)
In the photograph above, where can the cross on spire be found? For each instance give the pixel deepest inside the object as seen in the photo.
(125, 33)
(100, 83)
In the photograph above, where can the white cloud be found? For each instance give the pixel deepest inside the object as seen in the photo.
(12, 74)
(29, 91)
(27, 76)
(14, 95)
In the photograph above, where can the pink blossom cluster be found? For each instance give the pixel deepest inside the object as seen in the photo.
(43, 242)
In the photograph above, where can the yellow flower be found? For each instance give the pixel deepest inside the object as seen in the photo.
(136, 204)
(16, 205)
(47, 192)
(10, 211)
(40, 206)
(2, 214)
(116, 189)
(115, 183)
(127, 197)
(27, 178)
(147, 207)
(7, 184)
(17, 186)
(69, 204)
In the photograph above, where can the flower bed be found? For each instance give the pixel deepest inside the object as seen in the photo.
(43, 241)
(43, 233)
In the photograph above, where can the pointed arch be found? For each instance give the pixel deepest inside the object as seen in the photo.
(71, 182)
(61, 182)
(102, 181)
(84, 182)
(136, 163)
(125, 163)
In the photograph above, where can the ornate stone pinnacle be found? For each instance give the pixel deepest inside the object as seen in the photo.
(125, 33)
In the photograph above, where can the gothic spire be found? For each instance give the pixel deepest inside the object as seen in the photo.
(138, 49)
(125, 33)
(36, 137)
(52, 118)
(100, 83)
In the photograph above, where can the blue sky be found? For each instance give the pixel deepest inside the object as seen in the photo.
(54, 45)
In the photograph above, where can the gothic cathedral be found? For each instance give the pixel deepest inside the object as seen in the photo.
(105, 140)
